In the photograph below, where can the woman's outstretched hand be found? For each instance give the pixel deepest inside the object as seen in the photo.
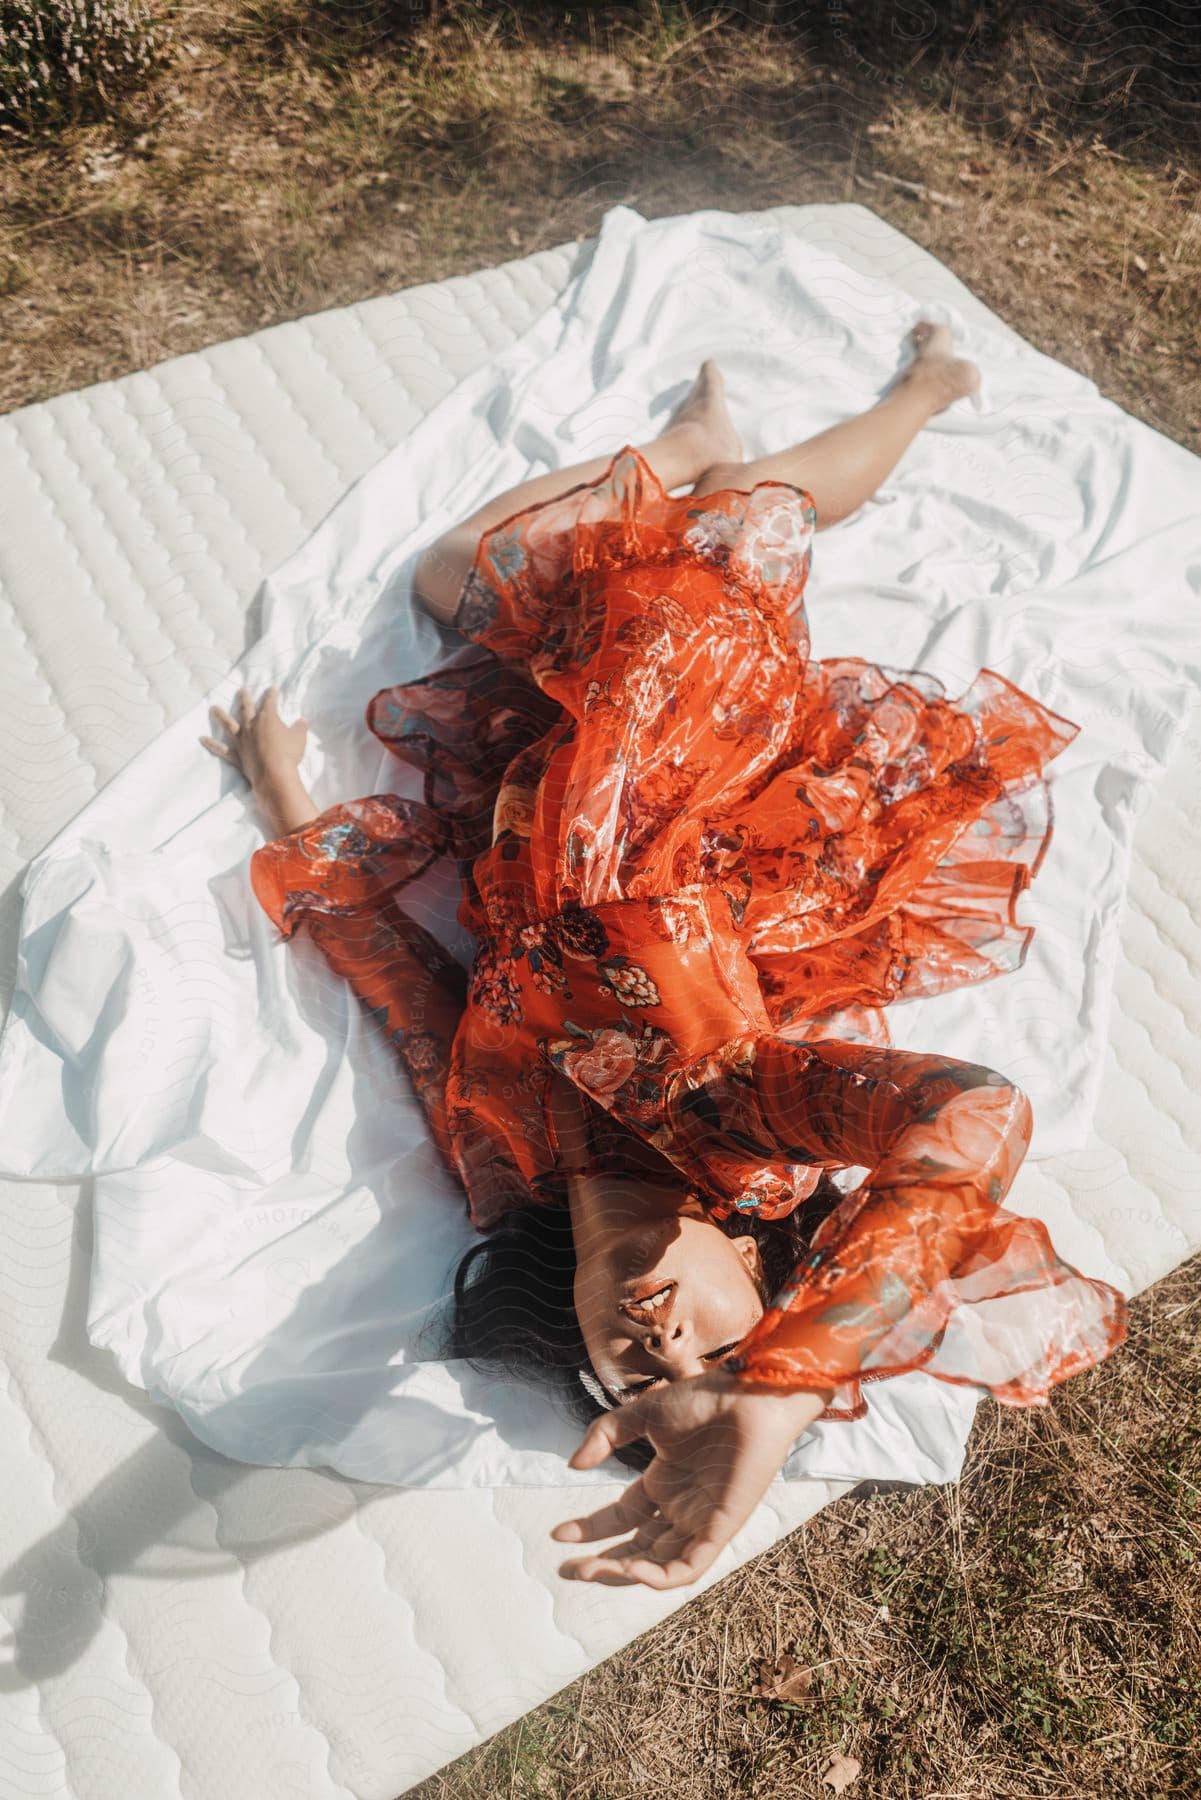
(718, 1443)
(258, 743)
(267, 753)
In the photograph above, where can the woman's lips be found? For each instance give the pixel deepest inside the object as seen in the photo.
(645, 1286)
(649, 1315)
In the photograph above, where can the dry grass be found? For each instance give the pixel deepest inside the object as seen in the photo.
(1040, 1636)
(293, 158)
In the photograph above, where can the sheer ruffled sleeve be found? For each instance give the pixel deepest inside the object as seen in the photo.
(340, 875)
(919, 1267)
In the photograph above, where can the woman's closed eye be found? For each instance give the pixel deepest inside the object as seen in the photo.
(627, 1393)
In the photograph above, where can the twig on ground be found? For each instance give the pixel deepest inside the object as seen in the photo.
(917, 188)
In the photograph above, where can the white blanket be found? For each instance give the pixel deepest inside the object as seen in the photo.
(272, 1228)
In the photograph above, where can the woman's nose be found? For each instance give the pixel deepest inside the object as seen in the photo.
(668, 1335)
(672, 1344)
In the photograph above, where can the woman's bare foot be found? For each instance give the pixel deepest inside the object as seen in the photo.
(702, 417)
(948, 376)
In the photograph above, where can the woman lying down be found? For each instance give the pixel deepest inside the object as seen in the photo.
(699, 864)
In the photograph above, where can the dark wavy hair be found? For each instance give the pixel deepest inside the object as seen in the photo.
(513, 1304)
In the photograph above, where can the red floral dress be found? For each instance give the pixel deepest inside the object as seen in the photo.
(698, 864)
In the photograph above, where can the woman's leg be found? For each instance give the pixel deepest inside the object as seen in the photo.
(699, 436)
(843, 467)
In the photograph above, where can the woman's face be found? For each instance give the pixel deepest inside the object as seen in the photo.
(709, 1289)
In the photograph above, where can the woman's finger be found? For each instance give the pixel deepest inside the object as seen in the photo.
(221, 750)
(634, 1506)
(613, 1565)
(271, 700)
(672, 1564)
(606, 1434)
(246, 702)
(677, 1572)
(622, 1425)
(657, 1555)
(223, 718)
(595, 1445)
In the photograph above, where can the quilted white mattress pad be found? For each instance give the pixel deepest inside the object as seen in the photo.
(183, 1622)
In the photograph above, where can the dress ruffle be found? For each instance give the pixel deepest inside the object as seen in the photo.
(700, 865)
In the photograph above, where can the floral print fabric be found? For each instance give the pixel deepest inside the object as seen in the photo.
(699, 865)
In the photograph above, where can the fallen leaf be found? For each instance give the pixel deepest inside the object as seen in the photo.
(841, 1772)
(784, 1680)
